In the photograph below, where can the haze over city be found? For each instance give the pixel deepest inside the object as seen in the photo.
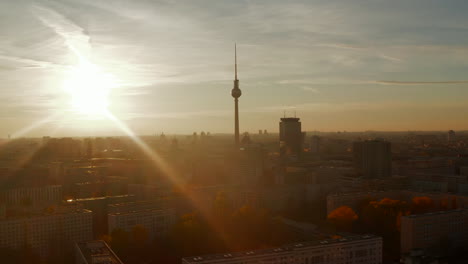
(233, 132)
(167, 66)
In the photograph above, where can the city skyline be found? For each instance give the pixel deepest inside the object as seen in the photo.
(167, 66)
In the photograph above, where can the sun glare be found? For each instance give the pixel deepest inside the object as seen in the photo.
(89, 89)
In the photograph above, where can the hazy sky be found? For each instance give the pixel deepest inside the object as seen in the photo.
(341, 65)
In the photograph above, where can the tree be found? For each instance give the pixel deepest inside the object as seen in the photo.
(343, 218)
(120, 241)
(222, 206)
(421, 205)
(140, 235)
(250, 228)
(106, 238)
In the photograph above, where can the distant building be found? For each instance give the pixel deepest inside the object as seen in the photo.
(366, 249)
(315, 144)
(291, 137)
(48, 232)
(441, 200)
(435, 230)
(247, 165)
(95, 252)
(373, 158)
(157, 222)
(451, 136)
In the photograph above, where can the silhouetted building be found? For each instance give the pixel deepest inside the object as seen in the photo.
(451, 136)
(291, 136)
(373, 158)
(315, 144)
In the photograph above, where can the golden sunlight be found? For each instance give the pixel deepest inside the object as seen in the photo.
(89, 89)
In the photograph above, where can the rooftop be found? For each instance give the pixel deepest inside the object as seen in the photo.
(285, 248)
(438, 213)
(98, 252)
(151, 210)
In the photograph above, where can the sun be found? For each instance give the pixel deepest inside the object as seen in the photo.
(89, 89)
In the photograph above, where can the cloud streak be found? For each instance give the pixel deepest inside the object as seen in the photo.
(418, 82)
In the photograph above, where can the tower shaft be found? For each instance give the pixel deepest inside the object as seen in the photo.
(236, 121)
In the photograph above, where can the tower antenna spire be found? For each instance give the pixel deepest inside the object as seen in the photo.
(235, 60)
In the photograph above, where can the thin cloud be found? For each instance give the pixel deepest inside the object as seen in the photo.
(340, 46)
(310, 89)
(418, 83)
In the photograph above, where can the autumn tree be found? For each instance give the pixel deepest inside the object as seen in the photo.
(343, 218)
(120, 241)
(421, 205)
(140, 235)
(250, 228)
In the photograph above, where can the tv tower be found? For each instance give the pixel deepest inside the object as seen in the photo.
(236, 93)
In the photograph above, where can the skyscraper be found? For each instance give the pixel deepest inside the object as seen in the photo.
(236, 93)
(291, 137)
(373, 158)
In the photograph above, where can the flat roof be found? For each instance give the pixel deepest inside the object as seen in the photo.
(140, 211)
(285, 248)
(437, 213)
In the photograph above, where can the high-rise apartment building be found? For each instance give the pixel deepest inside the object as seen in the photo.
(373, 158)
(291, 137)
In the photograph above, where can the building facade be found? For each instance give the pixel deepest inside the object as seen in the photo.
(373, 158)
(157, 222)
(46, 195)
(56, 231)
(435, 230)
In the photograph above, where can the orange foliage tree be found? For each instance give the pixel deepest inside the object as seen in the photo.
(343, 218)
(383, 216)
(421, 205)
